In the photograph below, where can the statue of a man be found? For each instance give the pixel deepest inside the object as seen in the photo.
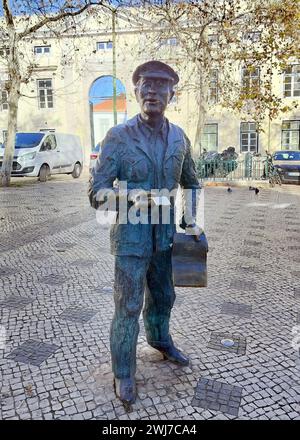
(147, 152)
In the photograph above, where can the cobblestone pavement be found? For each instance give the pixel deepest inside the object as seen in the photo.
(56, 304)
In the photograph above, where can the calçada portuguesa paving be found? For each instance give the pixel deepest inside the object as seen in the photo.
(56, 304)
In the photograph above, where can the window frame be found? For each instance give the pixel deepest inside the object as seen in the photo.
(250, 78)
(39, 89)
(3, 92)
(213, 84)
(249, 132)
(105, 43)
(4, 135)
(4, 51)
(168, 42)
(294, 78)
(210, 134)
(251, 37)
(212, 39)
(43, 52)
(290, 130)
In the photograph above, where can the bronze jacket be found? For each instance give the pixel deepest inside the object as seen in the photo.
(124, 157)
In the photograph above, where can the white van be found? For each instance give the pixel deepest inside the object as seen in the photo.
(39, 154)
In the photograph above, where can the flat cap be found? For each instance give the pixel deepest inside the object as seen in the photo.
(155, 69)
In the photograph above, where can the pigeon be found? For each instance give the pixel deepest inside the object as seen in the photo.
(256, 190)
(229, 190)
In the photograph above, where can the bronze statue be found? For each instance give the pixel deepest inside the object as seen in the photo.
(148, 152)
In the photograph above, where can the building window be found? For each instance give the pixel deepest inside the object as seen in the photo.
(4, 96)
(40, 50)
(4, 100)
(249, 137)
(209, 138)
(4, 52)
(45, 93)
(290, 135)
(212, 38)
(291, 82)
(169, 42)
(251, 37)
(250, 78)
(213, 87)
(104, 45)
(4, 136)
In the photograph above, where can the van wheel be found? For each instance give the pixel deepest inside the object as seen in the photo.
(44, 173)
(77, 170)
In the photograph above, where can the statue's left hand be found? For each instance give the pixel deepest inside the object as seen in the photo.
(140, 198)
(194, 230)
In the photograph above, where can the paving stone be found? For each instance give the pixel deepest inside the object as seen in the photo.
(48, 416)
(33, 352)
(64, 246)
(297, 292)
(208, 396)
(53, 279)
(70, 410)
(7, 271)
(77, 314)
(82, 262)
(87, 415)
(237, 309)
(243, 285)
(252, 243)
(16, 302)
(239, 346)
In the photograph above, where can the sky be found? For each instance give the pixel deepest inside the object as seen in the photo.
(29, 6)
(102, 88)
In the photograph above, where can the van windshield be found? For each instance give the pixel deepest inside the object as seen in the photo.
(28, 140)
(287, 155)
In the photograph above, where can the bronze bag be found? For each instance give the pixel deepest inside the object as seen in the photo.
(189, 260)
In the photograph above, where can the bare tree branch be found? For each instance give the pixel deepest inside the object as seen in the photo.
(63, 14)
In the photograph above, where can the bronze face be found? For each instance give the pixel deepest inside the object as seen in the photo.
(153, 95)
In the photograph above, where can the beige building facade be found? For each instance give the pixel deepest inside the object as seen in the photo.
(57, 95)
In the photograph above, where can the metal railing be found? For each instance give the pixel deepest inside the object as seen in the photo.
(250, 168)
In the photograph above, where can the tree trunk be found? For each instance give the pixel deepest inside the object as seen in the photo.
(14, 74)
(13, 99)
(201, 115)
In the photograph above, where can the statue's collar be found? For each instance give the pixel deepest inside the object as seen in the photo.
(173, 136)
(149, 131)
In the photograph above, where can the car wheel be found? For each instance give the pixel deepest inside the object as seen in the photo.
(44, 173)
(77, 170)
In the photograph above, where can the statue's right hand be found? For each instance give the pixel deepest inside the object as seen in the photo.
(140, 198)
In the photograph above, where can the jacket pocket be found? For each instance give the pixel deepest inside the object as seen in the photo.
(174, 165)
(136, 170)
(126, 233)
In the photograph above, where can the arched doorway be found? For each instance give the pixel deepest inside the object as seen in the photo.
(102, 106)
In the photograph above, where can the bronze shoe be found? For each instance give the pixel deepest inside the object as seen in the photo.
(125, 390)
(174, 355)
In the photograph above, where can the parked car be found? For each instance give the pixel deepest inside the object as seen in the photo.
(94, 155)
(40, 154)
(287, 163)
